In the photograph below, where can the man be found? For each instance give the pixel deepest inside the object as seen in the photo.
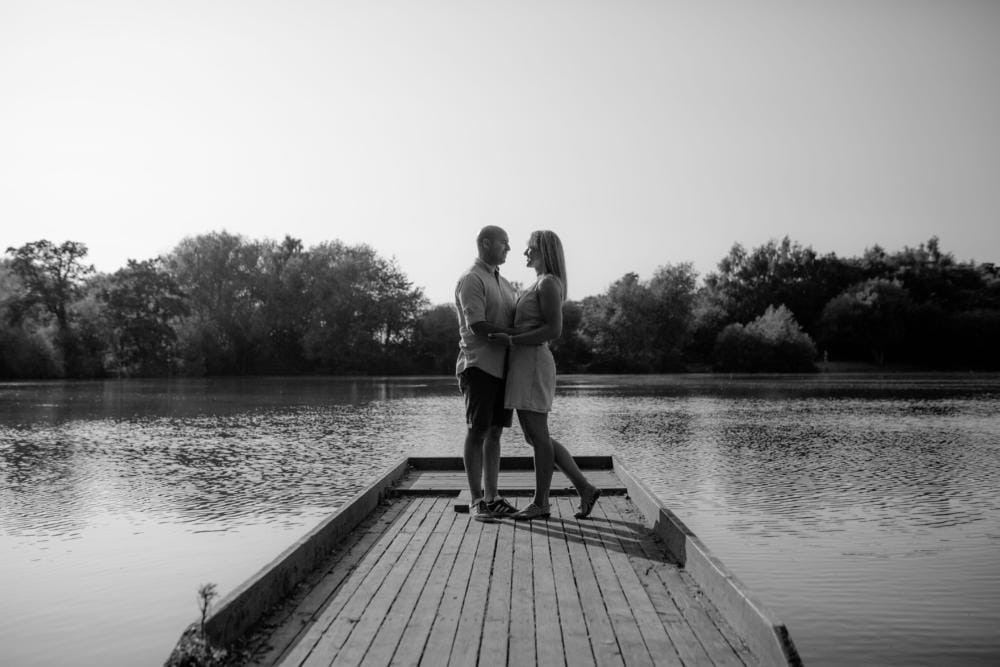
(485, 303)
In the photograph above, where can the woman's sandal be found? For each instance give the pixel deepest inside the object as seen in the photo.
(587, 504)
(530, 512)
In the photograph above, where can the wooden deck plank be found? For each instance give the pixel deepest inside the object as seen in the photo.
(445, 625)
(626, 627)
(287, 642)
(521, 649)
(693, 608)
(647, 558)
(368, 604)
(285, 625)
(653, 633)
(351, 593)
(418, 629)
(603, 641)
(646, 600)
(362, 632)
(572, 625)
(389, 635)
(465, 648)
(737, 645)
(359, 593)
(548, 643)
(496, 625)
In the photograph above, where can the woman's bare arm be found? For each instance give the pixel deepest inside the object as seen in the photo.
(550, 297)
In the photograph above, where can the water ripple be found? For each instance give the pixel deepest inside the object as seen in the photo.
(848, 504)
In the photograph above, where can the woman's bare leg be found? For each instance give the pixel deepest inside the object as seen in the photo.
(536, 431)
(564, 461)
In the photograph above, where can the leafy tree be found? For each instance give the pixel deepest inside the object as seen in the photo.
(989, 295)
(90, 329)
(708, 319)
(924, 271)
(282, 318)
(435, 339)
(746, 283)
(641, 327)
(869, 317)
(944, 297)
(257, 306)
(360, 306)
(27, 353)
(617, 326)
(246, 306)
(218, 272)
(51, 277)
(931, 275)
(972, 340)
(773, 342)
(571, 351)
(141, 302)
(673, 290)
(25, 349)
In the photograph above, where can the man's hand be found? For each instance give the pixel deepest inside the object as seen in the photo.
(502, 338)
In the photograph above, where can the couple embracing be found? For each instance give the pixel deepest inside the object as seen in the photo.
(504, 364)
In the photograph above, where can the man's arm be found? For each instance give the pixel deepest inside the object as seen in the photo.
(472, 302)
(484, 328)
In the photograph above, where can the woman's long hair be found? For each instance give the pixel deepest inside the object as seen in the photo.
(550, 246)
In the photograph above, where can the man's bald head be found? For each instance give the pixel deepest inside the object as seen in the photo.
(493, 245)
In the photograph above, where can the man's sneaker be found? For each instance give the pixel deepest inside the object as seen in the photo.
(500, 508)
(480, 511)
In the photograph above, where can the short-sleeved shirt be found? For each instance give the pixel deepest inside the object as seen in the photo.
(482, 295)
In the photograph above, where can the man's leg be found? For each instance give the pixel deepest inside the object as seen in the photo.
(491, 463)
(473, 456)
(472, 452)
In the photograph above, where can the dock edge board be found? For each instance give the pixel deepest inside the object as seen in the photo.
(767, 637)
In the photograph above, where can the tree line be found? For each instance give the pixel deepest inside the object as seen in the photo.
(221, 304)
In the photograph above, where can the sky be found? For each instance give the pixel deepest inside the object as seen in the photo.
(643, 133)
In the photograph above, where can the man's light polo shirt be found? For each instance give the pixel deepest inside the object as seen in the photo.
(482, 295)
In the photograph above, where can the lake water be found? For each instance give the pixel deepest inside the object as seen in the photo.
(864, 510)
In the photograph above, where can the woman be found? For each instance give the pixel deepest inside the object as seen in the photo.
(531, 375)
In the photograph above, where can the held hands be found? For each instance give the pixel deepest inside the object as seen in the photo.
(502, 338)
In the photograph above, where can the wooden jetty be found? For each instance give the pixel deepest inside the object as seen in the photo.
(401, 575)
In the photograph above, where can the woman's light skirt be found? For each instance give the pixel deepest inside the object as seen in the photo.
(531, 378)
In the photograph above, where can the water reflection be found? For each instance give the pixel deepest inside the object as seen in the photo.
(864, 509)
(242, 455)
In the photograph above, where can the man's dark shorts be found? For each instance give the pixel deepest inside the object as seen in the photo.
(483, 399)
